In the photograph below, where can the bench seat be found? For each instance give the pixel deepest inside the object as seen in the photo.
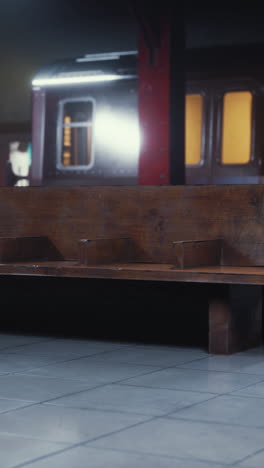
(138, 271)
(199, 234)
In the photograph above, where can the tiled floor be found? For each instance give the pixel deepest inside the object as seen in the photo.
(68, 403)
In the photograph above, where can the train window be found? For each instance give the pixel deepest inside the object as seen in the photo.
(78, 111)
(77, 134)
(236, 127)
(193, 129)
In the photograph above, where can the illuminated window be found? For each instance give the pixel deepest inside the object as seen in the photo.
(236, 130)
(77, 134)
(193, 128)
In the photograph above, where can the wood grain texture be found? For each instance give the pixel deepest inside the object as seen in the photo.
(137, 271)
(103, 251)
(153, 217)
(190, 254)
(15, 249)
(243, 253)
(175, 233)
(235, 319)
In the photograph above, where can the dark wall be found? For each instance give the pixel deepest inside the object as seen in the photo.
(223, 23)
(36, 32)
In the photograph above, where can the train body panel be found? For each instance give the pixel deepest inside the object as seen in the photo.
(111, 154)
(86, 129)
(87, 133)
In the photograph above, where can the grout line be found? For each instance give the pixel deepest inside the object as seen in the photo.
(80, 444)
(169, 457)
(122, 382)
(166, 388)
(250, 397)
(73, 393)
(217, 423)
(30, 371)
(167, 415)
(43, 402)
(12, 410)
(88, 442)
(15, 435)
(24, 344)
(113, 382)
(248, 457)
(94, 352)
(118, 383)
(218, 371)
(105, 410)
(209, 399)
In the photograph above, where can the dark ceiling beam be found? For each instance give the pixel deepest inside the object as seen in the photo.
(148, 20)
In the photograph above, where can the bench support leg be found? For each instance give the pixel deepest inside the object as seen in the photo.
(235, 318)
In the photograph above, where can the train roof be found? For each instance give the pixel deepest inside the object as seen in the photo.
(213, 61)
(85, 68)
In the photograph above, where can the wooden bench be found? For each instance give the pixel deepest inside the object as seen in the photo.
(202, 234)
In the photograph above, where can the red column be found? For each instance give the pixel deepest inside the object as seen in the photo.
(154, 111)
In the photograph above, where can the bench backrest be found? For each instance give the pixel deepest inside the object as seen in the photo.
(155, 218)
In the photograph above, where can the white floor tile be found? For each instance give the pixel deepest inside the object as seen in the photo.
(150, 401)
(66, 348)
(255, 390)
(8, 405)
(202, 441)
(256, 461)
(241, 363)
(227, 409)
(21, 362)
(160, 356)
(196, 380)
(8, 340)
(36, 388)
(93, 371)
(84, 457)
(15, 450)
(66, 425)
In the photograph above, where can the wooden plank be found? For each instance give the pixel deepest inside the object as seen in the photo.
(18, 249)
(190, 254)
(137, 271)
(154, 217)
(235, 319)
(243, 254)
(103, 251)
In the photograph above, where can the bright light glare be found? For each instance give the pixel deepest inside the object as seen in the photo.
(72, 80)
(119, 133)
(19, 160)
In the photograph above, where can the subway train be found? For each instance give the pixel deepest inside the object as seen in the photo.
(86, 131)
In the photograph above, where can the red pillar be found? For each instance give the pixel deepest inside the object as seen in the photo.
(161, 99)
(154, 110)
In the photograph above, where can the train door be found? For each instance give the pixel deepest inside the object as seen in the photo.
(224, 138)
(237, 148)
(197, 135)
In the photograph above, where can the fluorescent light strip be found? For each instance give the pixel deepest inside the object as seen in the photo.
(71, 80)
(106, 56)
(94, 58)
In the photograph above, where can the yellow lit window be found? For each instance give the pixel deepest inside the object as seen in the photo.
(77, 133)
(193, 128)
(236, 130)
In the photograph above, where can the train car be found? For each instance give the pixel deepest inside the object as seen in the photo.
(86, 129)
(225, 111)
(85, 121)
